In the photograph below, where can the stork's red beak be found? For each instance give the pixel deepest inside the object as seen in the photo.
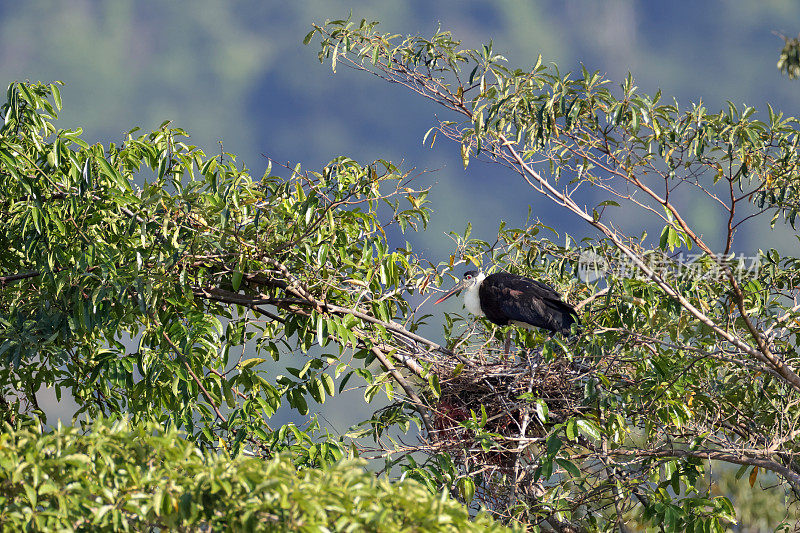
(459, 286)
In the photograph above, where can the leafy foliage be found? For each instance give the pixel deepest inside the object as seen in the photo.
(149, 280)
(179, 265)
(125, 477)
(681, 361)
(154, 282)
(789, 60)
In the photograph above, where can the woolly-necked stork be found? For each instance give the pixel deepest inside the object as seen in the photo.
(505, 298)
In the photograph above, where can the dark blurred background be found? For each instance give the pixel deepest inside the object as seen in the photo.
(237, 73)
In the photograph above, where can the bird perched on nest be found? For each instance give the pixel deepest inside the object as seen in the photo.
(505, 298)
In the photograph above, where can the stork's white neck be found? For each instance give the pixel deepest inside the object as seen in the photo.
(472, 300)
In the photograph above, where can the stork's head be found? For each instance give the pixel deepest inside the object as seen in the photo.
(471, 279)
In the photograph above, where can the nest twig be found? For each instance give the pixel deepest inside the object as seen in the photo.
(494, 414)
(505, 391)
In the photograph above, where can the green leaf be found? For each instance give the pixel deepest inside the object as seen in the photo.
(344, 381)
(542, 410)
(298, 401)
(433, 381)
(322, 254)
(108, 170)
(236, 279)
(466, 488)
(28, 95)
(248, 363)
(322, 330)
(334, 57)
(375, 51)
(56, 95)
(664, 240)
(589, 429)
(30, 492)
(327, 382)
(315, 387)
(673, 238)
(371, 391)
(163, 162)
(77, 459)
(553, 445)
(740, 472)
(569, 466)
(572, 429)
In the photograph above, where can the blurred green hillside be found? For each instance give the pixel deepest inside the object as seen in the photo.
(237, 73)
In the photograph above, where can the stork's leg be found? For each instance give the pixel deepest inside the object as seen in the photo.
(507, 346)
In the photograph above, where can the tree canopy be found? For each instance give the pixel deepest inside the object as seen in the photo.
(121, 476)
(182, 303)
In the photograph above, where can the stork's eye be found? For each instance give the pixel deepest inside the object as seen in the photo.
(468, 276)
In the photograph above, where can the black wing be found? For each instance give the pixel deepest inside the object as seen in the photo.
(506, 297)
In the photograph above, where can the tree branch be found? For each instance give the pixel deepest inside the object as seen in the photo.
(419, 406)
